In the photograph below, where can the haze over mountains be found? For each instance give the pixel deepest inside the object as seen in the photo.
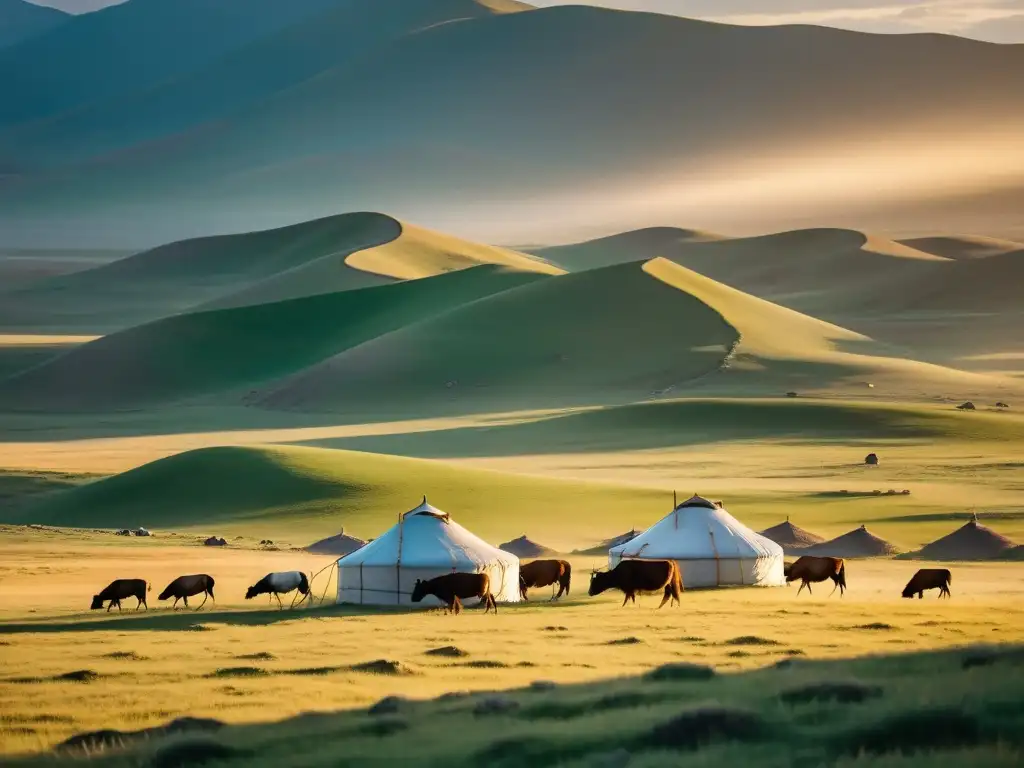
(498, 121)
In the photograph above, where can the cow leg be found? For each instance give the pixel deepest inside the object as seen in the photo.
(185, 598)
(920, 595)
(139, 603)
(118, 605)
(280, 605)
(802, 585)
(110, 605)
(205, 596)
(494, 603)
(665, 599)
(625, 600)
(174, 607)
(834, 589)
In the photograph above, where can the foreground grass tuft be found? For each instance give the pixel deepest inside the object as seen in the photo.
(695, 728)
(923, 730)
(843, 692)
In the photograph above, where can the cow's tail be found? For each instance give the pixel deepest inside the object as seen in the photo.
(304, 584)
(841, 576)
(949, 577)
(568, 577)
(149, 587)
(209, 586)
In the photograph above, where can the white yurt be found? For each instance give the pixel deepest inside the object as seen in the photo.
(713, 548)
(424, 543)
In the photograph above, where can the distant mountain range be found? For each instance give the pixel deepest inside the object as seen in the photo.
(493, 118)
(20, 21)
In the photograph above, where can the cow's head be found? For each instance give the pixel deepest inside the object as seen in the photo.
(599, 582)
(251, 592)
(419, 590)
(907, 591)
(97, 602)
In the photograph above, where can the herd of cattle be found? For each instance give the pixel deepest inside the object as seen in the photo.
(631, 577)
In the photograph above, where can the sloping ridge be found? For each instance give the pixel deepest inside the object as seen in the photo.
(182, 275)
(806, 269)
(284, 489)
(615, 333)
(960, 247)
(779, 347)
(236, 349)
(636, 245)
(972, 541)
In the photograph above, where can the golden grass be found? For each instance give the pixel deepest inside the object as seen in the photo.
(159, 665)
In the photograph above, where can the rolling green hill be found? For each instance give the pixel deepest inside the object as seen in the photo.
(178, 276)
(610, 334)
(240, 348)
(280, 490)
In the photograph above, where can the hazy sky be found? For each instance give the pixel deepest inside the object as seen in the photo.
(995, 20)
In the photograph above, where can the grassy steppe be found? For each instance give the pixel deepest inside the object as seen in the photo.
(255, 665)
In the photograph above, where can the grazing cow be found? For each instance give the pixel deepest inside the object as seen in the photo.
(118, 590)
(184, 587)
(277, 584)
(929, 578)
(632, 576)
(452, 588)
(541, 573)
(809, 569)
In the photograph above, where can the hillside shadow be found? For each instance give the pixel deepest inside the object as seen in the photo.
(207, 621)
(191, 621)
(654, 425)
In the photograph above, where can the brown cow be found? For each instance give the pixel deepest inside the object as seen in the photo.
(541, 573)
(929, 578)
(118, 590)
(452, 588)
(810, 569)
(184, 587)
(633, 576)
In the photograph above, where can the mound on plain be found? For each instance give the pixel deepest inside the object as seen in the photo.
(972, 541)
(603, 547)
(183, 275)
(274, 491)
(857, 543)
(234, 350)
(616, 333)
(791, 538)
(340, 544)
(525, 547)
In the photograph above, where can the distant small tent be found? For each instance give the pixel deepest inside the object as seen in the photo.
(968, 406)
(341, 544)
(424, 544)
(524, 547)
(215, 541)
(972, 541)
(791, 538)
(604, 546)
(857, 543)
(712, 547)
(871, 459)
